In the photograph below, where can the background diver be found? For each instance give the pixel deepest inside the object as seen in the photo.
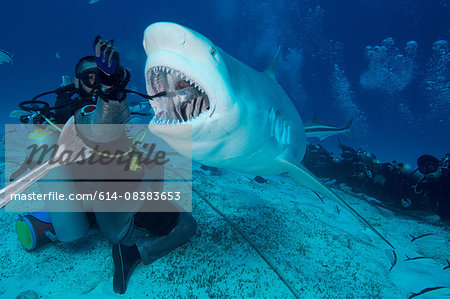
(396, 185)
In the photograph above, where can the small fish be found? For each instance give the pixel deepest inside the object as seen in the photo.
(260, 179)
(213, 170)
(5, 57)
(314, 128)
(257, 179)
(57, 55)
(394, 262)
(421, 236)
(65, 80)
(337, 209)
(448, 265)
(416, 258)
(426, 290)
(320, 197)
(17, 113)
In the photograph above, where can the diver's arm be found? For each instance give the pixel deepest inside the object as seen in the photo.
(112, 107)
(105, 124)
(65, 112)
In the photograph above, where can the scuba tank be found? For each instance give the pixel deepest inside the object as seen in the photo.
(35, 230)
(408, 170)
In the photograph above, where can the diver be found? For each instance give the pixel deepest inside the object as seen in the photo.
(446, 160)
(85, 88)
(394, 186)
(391, 183)
(69, 98)
(435, 184)
(98, 96)
(355, 168)
(320, 162)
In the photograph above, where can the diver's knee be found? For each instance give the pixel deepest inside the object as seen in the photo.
(115, 226)
(69, 226)
(117, 236)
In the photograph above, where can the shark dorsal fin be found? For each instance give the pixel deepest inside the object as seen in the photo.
(270, 71)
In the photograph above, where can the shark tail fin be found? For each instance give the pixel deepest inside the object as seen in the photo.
(348, 127)
(312, 121)
(349, 124)
(303, 177)
(270, 71)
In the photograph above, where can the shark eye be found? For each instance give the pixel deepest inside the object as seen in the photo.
(213, 52)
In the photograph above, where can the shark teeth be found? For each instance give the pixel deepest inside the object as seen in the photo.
(163, 121)
(169, 71)
(185, 99)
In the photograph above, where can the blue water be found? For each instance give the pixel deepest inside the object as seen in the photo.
(400, 105)
(386, 64)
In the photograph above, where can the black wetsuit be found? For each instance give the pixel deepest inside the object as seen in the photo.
(384, 181)
(319, 161)
(437, 193)
(69, 102)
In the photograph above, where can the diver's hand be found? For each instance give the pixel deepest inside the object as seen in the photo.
(116, 91)
(113, 77)
(107, 60)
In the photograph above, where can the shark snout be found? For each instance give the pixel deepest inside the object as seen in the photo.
(163, 35)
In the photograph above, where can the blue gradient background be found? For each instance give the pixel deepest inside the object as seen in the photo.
(314, 36)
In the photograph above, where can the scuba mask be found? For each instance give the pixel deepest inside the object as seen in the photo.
(428, 164)
(89, 77)
(428, 168)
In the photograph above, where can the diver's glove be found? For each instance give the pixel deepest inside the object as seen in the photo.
(116, 92)
(113, 77)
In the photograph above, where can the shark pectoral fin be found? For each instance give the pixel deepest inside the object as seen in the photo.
(303, 177)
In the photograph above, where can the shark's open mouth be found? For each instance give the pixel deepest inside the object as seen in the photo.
(185, 99)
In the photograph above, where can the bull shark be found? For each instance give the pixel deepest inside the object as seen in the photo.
(314, 128)
(222, 113)
(5, 57)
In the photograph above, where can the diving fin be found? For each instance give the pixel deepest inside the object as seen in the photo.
(126, 259)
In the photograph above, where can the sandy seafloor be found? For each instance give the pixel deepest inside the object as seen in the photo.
(321, 253)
